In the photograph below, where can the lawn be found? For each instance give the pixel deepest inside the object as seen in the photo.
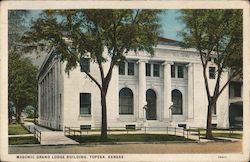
(129, 138)
(15, 129)
(226, 135)
(22, 140)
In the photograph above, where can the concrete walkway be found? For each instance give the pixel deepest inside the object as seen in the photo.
(49, 137)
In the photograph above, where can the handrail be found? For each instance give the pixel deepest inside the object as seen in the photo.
(37, 134)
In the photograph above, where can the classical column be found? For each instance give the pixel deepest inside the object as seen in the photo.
(167, 90)
(190, 113)
(142, 88)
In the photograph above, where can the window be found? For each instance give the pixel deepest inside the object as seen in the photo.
(177, 102)
(180, 73)
(127, 68)
(131, 68)
(122, 68)
(85, 64)
(152, 69)
(85, 103)
(235, 89)
(172, 71)
(126, 101)
(211, 72)
(177, 71)
(148, 69)
(156, 70)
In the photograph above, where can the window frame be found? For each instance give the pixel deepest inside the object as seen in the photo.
(156, 73)
(131, 69)
(211, 74)
(180, 102)
(84, 65)
(83, 104)
(122, 68)
(129, 104)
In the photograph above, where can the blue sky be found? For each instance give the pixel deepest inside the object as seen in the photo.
(171, 24)
(169, 19)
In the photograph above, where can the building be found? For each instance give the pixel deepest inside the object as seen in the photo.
(235, 103)
(170, 83)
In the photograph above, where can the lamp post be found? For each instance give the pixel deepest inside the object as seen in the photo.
(145, 107)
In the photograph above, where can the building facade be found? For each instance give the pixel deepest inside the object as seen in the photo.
(166, 89)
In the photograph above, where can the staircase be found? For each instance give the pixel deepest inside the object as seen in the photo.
(156, 125)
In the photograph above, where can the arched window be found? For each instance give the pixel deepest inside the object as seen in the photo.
(177, 102)
(126, 101)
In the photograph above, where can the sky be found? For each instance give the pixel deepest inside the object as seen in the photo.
(171, 25)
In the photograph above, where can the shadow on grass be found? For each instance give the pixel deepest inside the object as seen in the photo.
(129, 138)
(16, 129)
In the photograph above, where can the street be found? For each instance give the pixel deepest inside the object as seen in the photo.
(167, 148)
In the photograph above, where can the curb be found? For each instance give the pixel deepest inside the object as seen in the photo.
(120, 143)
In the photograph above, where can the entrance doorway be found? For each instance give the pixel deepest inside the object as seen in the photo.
(151, 103)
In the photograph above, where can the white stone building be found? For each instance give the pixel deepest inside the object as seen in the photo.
(171, 82)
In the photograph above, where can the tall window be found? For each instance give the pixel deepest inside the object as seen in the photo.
(122, 68)
(177, 102)
(180, 71)
(235, 89)
(211, 72)
(85, 103)
(148, 69)
(156, 70)
(85, 64)
(172, 71)
(153, 69)
(127, 68)
(177, 71)
(131, 68)
(126, 101)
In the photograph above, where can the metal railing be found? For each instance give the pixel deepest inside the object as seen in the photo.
(176, 131)
(37, 134)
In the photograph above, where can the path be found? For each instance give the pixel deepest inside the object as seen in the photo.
(50, 137)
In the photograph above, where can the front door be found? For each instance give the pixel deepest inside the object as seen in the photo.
(151, 104)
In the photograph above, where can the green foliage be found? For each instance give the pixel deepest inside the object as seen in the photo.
(30, 111)
(215, 33)
(76, 33)
(17, 25)
(22, 82)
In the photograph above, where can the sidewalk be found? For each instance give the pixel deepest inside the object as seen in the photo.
(49, 137)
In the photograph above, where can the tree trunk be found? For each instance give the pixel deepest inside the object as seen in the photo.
(209, 134)
(104, 116)
(18, 116)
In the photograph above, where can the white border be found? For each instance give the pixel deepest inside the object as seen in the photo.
(5, 5)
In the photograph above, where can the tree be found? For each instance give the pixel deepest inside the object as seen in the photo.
(77, 33)
(215, 34)
(22, 83)
(17, 24)
(22, 89)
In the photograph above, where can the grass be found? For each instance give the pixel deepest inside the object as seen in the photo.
(16, 129)
(226, 135)
(129, 138)
(22, 140)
